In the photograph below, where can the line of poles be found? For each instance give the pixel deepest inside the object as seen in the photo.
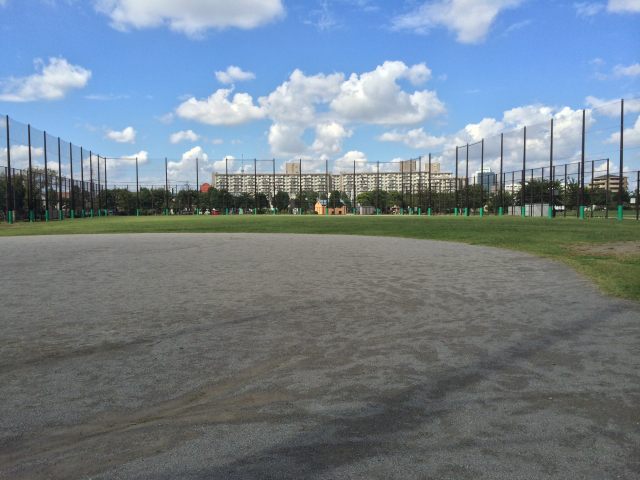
(458, 184)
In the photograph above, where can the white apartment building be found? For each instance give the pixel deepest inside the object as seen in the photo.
(267, 183)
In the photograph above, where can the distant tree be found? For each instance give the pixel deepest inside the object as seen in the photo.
(281, 201)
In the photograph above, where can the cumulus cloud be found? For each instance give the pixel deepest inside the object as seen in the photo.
(191, 17)
(631, 136)
(376, 97)
(416, 138)
(623, 6)
(611, 107)
(632, 70)
(329, 137)
(52, 81)
(128, 135)
(325, 104)
(345, 163)
(295, 100)
(234, 74)
(470, 20)
(183, 136)
(218, 109)
(185, 169)
(588, 9)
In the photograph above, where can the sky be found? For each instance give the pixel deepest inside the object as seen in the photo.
(321, 80)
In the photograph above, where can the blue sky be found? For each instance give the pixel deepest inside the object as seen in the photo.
(333, 80)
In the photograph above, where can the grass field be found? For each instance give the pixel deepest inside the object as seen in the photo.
(606, 251)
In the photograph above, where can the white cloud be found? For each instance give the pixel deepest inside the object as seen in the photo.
(50, 82)
(128, 135)
(588, 9)
(631, 136)
(326, 104)
(611, 108)
(469, 19)
(184, 135)
(377, 98)
(416, 138)
(142, 156)
(192, 17)
(20, 157)
(185, 169)
(285, 140)
(221, 165)
(295, 100)
(632, 70)
(623, 6)
(219, 110)
(329, 137)
(345, 163)
(234, 74)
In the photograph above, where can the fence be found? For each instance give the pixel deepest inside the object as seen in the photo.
(576, 163)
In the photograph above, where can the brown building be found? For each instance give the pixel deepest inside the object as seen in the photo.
(611, 183)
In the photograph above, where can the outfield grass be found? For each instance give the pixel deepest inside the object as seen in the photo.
(616, 272)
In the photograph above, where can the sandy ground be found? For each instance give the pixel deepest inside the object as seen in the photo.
(278, 356)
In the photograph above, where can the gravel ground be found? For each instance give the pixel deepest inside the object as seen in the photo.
(279, 356)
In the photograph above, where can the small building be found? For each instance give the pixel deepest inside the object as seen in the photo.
(321, 208)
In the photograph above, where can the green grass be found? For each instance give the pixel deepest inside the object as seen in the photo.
(557, 239)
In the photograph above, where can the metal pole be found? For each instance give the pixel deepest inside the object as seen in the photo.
(30, 199)
(60, 214)
(581, 178)
(620, 182)
(551, 199)
(166, 188)
(255, 185)
(565, 190)
(10, 204)
(524, 166)
(501, 196)
(300, 183)
(226, 178)
(197, 186)
(91, 187)
(354, 186)
(137, 190)
(274, 185)
(73, 196)
(606, 194)
(482, 179)
(378, 210)
(456, 185)
(106, 189)
(46, 180)
(466, 183)
(326, 185)
(82, 180)
(99, 186)
(411, 186)
(430, 197)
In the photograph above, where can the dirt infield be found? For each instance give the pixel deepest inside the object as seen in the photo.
(291, 356)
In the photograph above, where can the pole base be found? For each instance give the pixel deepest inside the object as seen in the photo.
(429, 211)
(581, 212)
(550, 212)
(46, 216)
(500, 211)
(455, 211)
(10, 217)
(466, 212)
(32, 217)
(523, 211)
(620, 212)
(481, 212)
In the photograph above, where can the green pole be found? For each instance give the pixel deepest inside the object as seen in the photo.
(455, 211)
(581, 212)
(419, 210)
(46, 216)
(523, 211)
(621, 212)
(500, 211)
(550, 213)
(429, 211)
(466, 211)
(481, 212)
(73, 214)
